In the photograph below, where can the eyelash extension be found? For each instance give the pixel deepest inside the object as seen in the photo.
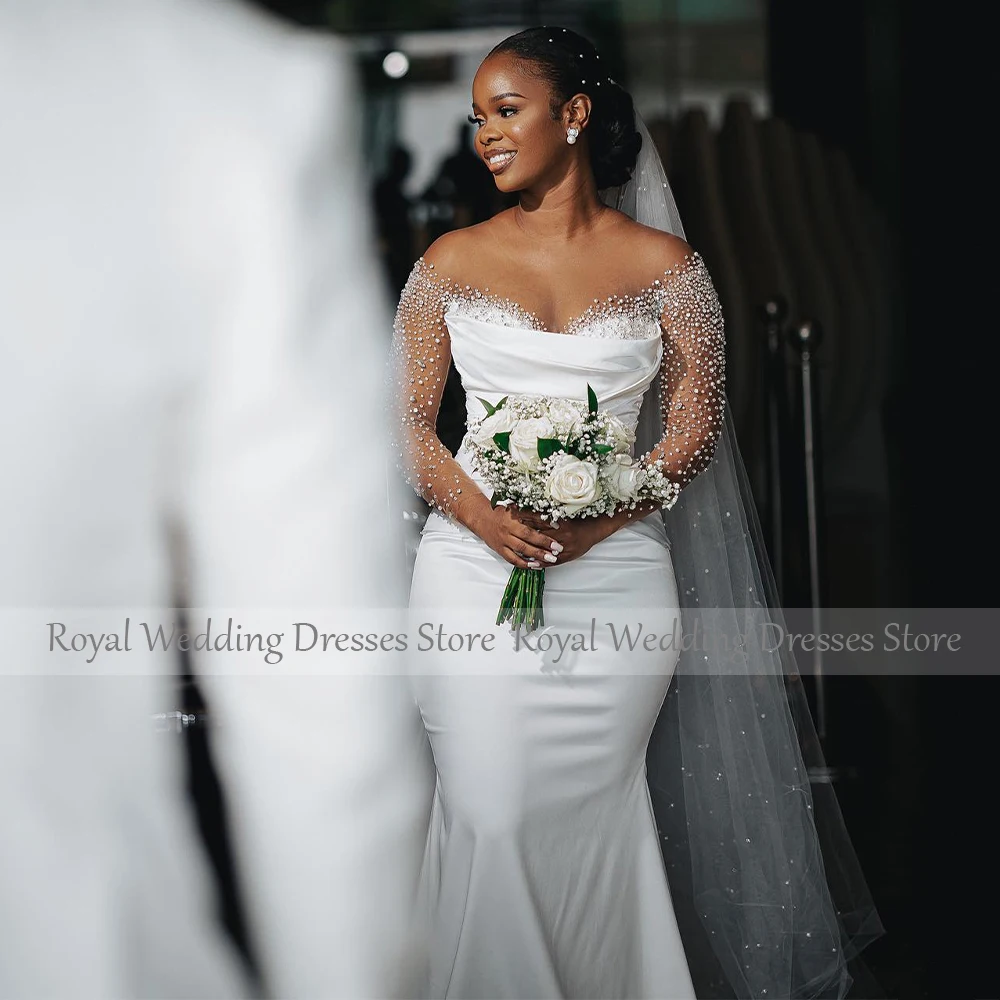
(478, 122)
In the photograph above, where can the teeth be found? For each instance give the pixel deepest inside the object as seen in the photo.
(500, 158)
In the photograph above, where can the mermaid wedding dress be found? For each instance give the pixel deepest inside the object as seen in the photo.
(543, 875)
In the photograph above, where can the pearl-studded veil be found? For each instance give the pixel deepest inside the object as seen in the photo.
(766, 885)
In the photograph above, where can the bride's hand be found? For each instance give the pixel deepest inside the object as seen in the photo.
(575, 536)
(521, 545)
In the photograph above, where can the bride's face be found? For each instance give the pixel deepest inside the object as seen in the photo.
(517, 137)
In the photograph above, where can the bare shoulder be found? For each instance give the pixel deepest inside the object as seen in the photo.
(464, 254)
(446, 252)
(652, 251)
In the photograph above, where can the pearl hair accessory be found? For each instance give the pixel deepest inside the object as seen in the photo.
(597, 56)
(571, 135)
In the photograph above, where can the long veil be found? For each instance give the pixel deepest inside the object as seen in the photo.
(768, 891)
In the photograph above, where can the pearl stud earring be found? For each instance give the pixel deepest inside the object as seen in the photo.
(571, 134)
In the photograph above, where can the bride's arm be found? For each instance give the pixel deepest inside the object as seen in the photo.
(692, 372)
(421, 358)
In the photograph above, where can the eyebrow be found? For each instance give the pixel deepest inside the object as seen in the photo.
(500, 97)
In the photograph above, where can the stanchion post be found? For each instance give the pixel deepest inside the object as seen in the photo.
(773, 314)
(806, 338)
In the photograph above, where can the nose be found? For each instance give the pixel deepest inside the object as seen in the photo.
(487, 134)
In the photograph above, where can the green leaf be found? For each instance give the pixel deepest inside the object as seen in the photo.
(490, 408)
(502, 441)
(591, 399)
(500, 404)
(603, 449)
(548, 446)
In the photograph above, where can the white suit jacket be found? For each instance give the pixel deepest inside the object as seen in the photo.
(192, 338)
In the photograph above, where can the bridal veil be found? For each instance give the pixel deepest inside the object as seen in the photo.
(767, 888)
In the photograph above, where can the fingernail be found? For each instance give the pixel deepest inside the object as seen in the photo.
(549, 557)
(534, 564)
(556, 548)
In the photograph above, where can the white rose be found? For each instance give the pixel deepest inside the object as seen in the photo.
(622, 478)
(572, 483)
(621, 437)
(566, 418)
(499, 422)
(524, 440)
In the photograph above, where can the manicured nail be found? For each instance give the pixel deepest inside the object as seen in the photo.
(534, 564)
(549, 557)
(556, 548)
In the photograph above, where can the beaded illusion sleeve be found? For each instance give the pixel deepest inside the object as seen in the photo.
(692, 371)
(421, 356)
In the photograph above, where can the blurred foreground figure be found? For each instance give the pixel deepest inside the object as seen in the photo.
(187, 298)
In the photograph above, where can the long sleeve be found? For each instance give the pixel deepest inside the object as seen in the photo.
(421, 356)
(692, 371)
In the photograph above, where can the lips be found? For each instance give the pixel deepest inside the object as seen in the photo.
(499, 160)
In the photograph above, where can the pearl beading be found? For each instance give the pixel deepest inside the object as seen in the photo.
(682, 304)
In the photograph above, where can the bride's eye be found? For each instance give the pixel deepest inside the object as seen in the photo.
(505, 109)
(478, 122)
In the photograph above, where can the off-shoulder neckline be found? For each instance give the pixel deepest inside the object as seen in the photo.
(537, 331)
(534, 323)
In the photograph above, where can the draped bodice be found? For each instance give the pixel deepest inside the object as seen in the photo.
(495, 360)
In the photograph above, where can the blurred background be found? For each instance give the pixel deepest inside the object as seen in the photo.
(783, 129)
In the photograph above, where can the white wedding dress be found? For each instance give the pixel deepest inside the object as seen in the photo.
(543, 875)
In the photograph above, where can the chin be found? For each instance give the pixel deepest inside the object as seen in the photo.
(506, 184)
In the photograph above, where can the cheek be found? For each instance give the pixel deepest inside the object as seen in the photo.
(534, 132)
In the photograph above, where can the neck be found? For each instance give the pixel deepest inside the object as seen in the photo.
(561, 211)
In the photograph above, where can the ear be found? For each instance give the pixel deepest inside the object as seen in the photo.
(576, 112)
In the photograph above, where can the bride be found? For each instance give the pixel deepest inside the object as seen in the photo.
(544, 874)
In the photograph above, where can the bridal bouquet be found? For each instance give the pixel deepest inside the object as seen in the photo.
(559, 458)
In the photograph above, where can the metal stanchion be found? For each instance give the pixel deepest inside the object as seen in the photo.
(773, 314)
(806, 338)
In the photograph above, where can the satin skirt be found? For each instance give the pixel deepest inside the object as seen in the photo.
(543, 875)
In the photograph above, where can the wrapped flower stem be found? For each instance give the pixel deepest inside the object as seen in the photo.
(521, 603)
